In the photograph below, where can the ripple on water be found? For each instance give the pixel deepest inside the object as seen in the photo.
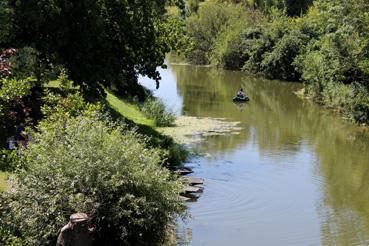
(240, 200)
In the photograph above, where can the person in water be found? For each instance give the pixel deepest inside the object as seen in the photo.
(241, 93)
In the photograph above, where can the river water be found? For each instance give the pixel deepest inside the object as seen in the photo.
(296, 175)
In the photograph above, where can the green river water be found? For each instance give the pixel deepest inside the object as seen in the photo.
(296, 175)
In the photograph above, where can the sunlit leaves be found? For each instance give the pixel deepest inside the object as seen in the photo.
(11, 89)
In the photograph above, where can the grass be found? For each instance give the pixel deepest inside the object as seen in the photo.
(3, 182)
(128, 110)
(120, 106)
(53, 84)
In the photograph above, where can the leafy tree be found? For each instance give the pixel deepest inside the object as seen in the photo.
(101, 43)
(293, 7)
(204, 28)
(6, 25)
(334, 65)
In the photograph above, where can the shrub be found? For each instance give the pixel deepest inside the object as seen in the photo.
(360, 104)
(19, 102)
(255, 45)
(85, 165)
(154, 108)
(191, 7)
(8, 160)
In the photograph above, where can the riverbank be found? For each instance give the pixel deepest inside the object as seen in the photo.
(330, 60)
(3, 181)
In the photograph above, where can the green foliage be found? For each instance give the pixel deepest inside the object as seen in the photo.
(154, 108)
(203, 28)
(359, 104)
(326, 48)
(174, 34)
(334, 63)
(13, 89)
(25, 63)
(103, 43)
(6, 25)
(8, 160)
(6, 237)
(271, 46)
(228, 50)
(191, 7)
(87, 165)
(19, 102)
(278, 63)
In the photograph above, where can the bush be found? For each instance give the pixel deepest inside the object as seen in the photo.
(154, 108)
(8, 160)
(191, 7)
(85, 165)
(278, 63)
(360, 104)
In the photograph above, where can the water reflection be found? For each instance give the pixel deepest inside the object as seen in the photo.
(296, 175)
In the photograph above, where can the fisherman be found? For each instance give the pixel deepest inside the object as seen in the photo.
(241, 93)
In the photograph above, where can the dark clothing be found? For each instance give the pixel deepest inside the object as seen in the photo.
(18, 133)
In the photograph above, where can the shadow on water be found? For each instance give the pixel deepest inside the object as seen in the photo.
(296, 175)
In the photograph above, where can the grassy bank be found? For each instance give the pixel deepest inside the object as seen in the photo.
(128, 110)
(3, 182)
(119, 106)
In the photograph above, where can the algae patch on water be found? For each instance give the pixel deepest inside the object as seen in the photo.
(188, 129)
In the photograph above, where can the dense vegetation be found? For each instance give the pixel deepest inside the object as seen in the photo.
(81, 151)
(91, 165)
(117, 40)
(154, 108)
(326, 48)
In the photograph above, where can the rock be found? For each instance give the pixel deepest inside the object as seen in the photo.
(194, 180)
(192, 197)
(183, 171)
(193, 189)
(184, 199)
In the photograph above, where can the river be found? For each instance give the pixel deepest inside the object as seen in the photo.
(296, 175)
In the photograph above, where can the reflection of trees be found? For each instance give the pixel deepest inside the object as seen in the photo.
(208, 92)
(205, 94)
(281, 122)
(344, 164)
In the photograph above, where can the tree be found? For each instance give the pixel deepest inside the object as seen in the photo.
(101, 43)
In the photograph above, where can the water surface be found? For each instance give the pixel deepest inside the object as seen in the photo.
(296, 175)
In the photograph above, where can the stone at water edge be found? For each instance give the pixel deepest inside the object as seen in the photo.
(184, 199)
(183, 171)
(193, 189)
(194, 180)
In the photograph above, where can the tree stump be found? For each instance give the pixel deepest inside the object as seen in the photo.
(77, 232)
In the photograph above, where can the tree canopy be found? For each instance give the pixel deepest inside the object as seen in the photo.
(101, 43)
